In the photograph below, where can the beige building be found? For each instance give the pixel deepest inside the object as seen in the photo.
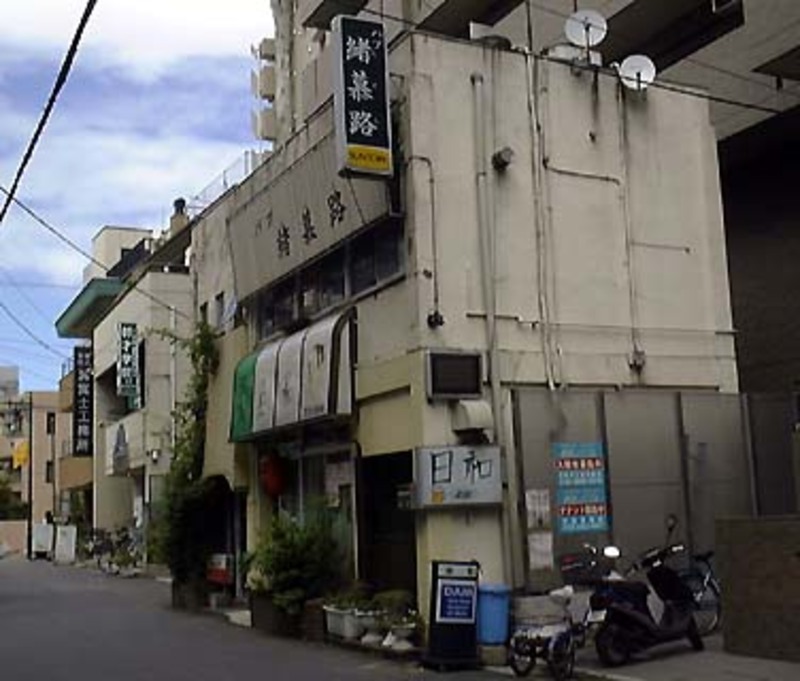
(546, 228)
(137, 381)
(39, 445)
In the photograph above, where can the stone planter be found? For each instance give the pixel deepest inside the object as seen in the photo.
(352, 628)
(370, 623)
(270, 619)
(313, 621)
(334, 620)
(192, 596)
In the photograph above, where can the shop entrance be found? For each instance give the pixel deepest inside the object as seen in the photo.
(388, 554)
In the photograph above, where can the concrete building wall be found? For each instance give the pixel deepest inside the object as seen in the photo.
(149, 427)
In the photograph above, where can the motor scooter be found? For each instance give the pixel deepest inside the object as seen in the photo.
(628, 624)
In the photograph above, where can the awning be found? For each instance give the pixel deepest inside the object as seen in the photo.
(88, 308)
(301, 378)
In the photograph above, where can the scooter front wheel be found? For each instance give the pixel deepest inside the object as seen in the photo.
(611, 645)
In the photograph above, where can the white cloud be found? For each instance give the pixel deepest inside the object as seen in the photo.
(143, 36)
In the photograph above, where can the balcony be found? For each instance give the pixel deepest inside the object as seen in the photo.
(128, 440)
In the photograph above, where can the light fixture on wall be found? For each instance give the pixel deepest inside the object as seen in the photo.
(154, 454)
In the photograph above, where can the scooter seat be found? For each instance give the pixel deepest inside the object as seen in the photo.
(703, 557)
(634, 588)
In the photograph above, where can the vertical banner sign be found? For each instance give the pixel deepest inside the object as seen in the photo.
(83, 402)
(361, 97)
(581, 495)
(127, 360)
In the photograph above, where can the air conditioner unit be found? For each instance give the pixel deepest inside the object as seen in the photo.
(266, 49)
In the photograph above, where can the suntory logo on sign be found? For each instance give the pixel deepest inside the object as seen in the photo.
(361, 99)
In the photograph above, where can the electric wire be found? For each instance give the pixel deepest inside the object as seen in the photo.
(691, 60)
(69, 242)
(658, 84)
(60, 81)
(19, 323)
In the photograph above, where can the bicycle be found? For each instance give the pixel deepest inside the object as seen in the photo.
(707, 593)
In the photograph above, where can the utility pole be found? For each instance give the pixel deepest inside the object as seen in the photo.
(30, 476)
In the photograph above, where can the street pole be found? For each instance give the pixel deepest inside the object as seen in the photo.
(30, 476)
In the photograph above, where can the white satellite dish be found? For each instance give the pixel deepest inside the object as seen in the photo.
(586, 28)
(637, 72)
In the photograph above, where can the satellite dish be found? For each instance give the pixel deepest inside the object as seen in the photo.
(637, 72)
(586, 28)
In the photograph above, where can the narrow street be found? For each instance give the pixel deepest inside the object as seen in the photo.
(63, 623)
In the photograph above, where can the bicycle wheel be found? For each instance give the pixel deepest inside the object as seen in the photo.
(708, 614)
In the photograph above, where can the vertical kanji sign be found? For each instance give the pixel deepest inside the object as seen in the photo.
(127, 361)
(83, 402)
(361, 97)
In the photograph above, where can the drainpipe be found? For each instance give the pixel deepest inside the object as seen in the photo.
(488, 284)
(434, 318)
(173, 388)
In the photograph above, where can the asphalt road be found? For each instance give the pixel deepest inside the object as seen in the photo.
(73, 624)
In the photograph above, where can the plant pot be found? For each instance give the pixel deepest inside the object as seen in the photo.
(352, 627)
(334, 620)
(270, 619)
(313, 622)
(191, 595)
(370, 623)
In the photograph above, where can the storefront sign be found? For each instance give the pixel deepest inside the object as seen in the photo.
(452, 476)
(127, 360)
(581, 494)
(83, 402)
(456, 599)
(361, 97)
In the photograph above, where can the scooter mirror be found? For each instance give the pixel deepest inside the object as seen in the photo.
(612, 552)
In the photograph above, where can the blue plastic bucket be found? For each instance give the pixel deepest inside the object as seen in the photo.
(494, 601)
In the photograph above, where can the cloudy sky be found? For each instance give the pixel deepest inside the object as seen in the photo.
(157, 106)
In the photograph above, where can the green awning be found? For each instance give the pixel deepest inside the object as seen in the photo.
(243, 382)
(88, 308)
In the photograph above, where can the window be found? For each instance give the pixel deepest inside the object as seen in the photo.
(204, 313)
(51, 423)
(322, 285)
(356, 266)
(48, 472)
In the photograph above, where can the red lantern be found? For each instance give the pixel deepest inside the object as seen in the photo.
(272, 475)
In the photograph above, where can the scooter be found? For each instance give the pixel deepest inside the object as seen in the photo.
(628, 624)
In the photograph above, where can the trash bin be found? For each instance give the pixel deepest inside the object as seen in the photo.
(493, 605)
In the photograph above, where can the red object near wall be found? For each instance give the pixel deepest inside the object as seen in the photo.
(272, 475)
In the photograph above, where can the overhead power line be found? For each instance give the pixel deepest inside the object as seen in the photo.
(60, 81)
(690, 60)
(69, 242)
(664, 86)
(30, 333)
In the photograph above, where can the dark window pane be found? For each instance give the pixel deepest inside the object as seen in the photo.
(362, 263)
(331, 279)
(388, 239)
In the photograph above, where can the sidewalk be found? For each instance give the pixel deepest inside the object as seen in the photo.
(677, 662)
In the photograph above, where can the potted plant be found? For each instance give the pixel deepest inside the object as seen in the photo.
(341, 612)
(292, 564)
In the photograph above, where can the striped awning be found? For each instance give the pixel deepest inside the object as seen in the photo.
(301, 378)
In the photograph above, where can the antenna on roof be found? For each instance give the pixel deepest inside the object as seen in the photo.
(586, 28)
(637, 72)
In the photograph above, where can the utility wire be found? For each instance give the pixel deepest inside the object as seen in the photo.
(12, 282)
(691, 60)
(69, 242)
(30, 333)
(61, 80)
(658, 84)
